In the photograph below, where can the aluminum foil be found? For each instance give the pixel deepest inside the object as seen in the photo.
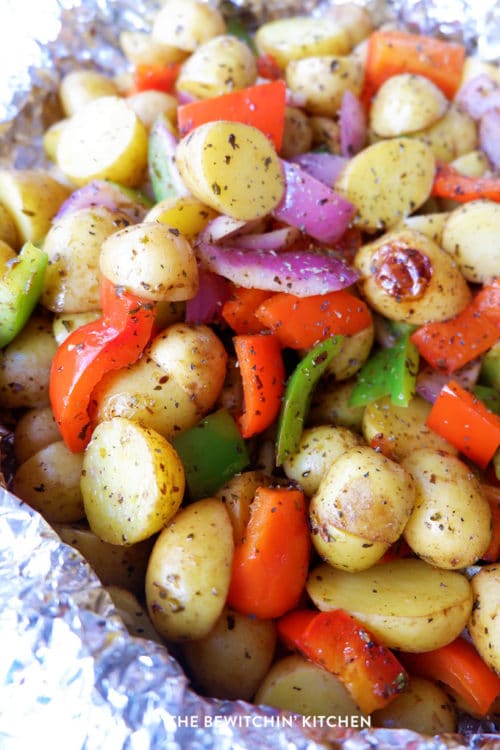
(71, 676)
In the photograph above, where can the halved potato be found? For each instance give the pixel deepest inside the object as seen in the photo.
(80, 87)
(405, 103)
(186, 214)
(104, 140)
(294, 38)
(484, 625)
(406, 604)
(471, 237)
(185, 24)
(32, 199)
(233, 168)
(387, 181)
(132, 482)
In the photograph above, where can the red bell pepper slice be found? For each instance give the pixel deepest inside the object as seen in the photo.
(487, 300)
(268, 68)
(239, 310)
(263, 377)
(448, 345)
(115, 340)
(343, 646)
(459, 666)
(271, 563)
(391, 53)
(156, 77)
(262, 106)
(301, 322)
(449, 183)
(459, 417)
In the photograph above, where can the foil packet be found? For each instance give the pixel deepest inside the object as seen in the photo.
(71, 676)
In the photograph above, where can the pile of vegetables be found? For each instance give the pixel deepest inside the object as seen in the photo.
(250, 333)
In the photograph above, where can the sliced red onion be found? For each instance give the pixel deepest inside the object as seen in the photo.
(277, 239)
(323, 167)
(489, 136)
(224, 227)
(352, 121)
(106, 194)
(206, 306)
(430, 382)
(301, 273)
(312, 206)
(479, 95)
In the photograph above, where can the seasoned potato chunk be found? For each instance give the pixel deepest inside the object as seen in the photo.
(406, 276)
(80, 87)
(471, 237)
(186, 24)
(406, 103)
(484, 624)
(233, 168)
(323, 81)
(298, 37)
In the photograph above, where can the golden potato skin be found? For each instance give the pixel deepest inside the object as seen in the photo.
(484, 624)
(189, 571)
(450, 525)
(232, 660)
(423, 707)
(407, 277)
(407, 604)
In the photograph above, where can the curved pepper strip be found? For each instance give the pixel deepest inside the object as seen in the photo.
(20, 287)
(298, 395)
(115, 340)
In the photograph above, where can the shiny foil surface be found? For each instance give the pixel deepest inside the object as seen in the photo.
(71, 676)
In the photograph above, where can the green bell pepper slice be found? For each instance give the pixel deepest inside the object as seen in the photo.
(389, 372)
(298, 393)
(489, 396)
(20, 288)
(166, 181)
(212, 452)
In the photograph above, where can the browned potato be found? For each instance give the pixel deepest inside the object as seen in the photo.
(423, 707)
(35, 430)
(406, 276)
(233, 658)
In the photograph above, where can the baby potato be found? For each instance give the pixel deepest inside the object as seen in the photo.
(233, 168)
(319, 447)
(298, 37)
(484, 624)
(32, 199)
(323, 81)
(185, 24)
(423, 707)
(402, 428)
(25, 365)
(152, 260)
(365, 496)
(450, 525)
(149, 394)
(353, 18)
(140, 48)
(189, 571)
(104, 140)
(387, 181)
(132, 482)
(429, 224)
(51, 138)
(80, 87)
(471, 237)
(187, 214)
(330, 405)
(49, 481)
(237, 495)
(66, 323)
(451, 136)
(407, 277)
(8, 231)
(406, 604)
(113, 564)
(148, 105)
(353, 353)
(297, 135)
(406, 103)
(233, 658)
(195, 358)
(134, 617)
(295, 684)
(73, 244)
(35, 429)
(219, 66)
(326, 133)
